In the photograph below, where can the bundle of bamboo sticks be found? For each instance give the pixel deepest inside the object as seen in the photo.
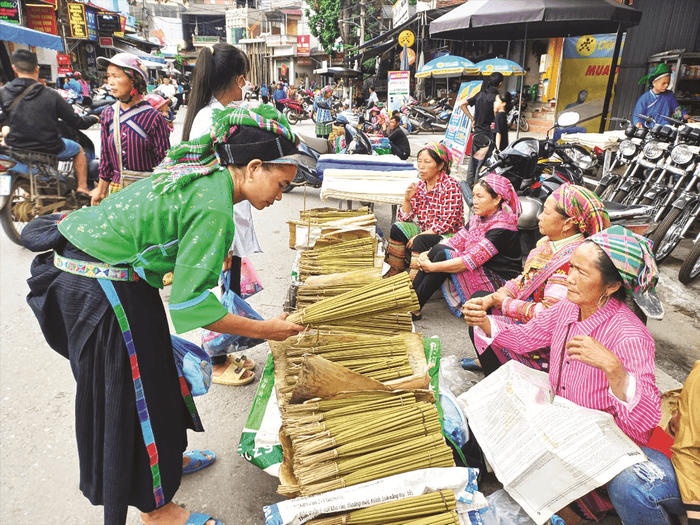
(361, 438)
(387, 296)
(316, 288)
(435, 508)
(344, 256)
(323, 215)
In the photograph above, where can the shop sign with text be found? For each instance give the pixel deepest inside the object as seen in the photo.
(77, 21)
(9, 11)
(303, 45)
(42, 18)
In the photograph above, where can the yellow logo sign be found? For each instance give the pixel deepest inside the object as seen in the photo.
(586, 45)
(406, 38)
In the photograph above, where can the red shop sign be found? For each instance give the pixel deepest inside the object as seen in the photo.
(106, 41)
(42, 18)
(62, 59)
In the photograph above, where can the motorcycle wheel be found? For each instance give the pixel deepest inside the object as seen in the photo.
(668, 235)
(292, 116)
(524, 124)
(620, 196)
(691, 266)
(655, 203)
(18, 210)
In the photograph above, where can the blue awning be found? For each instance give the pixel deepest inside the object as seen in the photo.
(29, 37)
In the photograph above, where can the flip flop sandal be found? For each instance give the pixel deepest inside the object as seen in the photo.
(200, 519)
(233, 376)
(241, 361)
(168, 279)
(198, 460)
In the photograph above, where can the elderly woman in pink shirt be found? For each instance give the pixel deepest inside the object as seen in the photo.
(602, 355)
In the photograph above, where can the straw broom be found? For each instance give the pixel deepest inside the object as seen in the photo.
(371, 404)
(438, 457)
(326, 405)
(395, 293)
(394, 511)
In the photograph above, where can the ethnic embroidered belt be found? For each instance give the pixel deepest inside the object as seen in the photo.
(96, 270)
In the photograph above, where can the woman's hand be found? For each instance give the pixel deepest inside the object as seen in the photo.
(277, 329)
(409, 244)
(410, 192)
(474, 312)
(496, 299)
(100, 192)
(425, 264)
(589, 351)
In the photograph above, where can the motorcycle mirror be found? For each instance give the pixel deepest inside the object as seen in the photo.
(650, 304)
(568, 119)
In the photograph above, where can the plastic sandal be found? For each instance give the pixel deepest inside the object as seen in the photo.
(200, 519)
(470, 364)
(233, 376)
(198, 460)
(241, 361)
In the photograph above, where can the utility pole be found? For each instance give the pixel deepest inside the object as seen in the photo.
(362, 23)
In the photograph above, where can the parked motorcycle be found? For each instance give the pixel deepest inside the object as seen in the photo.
(423, 120)
(294, 111)
(691, 266)
(515, 114)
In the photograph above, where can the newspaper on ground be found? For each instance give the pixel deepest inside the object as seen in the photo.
(299, 510)
(544, 449)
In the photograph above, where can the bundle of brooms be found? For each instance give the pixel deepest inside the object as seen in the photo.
(435, 508)
(316, 288)
(386, 297)
(361, 438)
(329, 219)
(338, 255)
(323, 215)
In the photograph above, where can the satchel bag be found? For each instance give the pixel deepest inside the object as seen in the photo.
(193, 363)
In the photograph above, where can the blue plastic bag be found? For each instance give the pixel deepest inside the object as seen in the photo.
(215, 343)
(193, 363)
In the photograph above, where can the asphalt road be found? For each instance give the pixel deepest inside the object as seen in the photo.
(38, 457)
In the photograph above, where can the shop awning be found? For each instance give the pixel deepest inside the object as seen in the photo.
(30, 37)
(337, 71)
(389, 35)
(379, 49)
(150, 61)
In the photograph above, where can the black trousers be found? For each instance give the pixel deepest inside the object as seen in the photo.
(235, 285)
(426, 284)
(488, 360)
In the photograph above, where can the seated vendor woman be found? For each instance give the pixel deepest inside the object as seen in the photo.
(432, 209)
(95, 295)
(571, 214)
(658, 102)
(482, 256)
(602, 355)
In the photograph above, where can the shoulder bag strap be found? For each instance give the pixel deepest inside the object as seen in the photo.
(118, 136)
(19, 98)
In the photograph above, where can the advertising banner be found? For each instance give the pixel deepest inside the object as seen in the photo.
(77, 20)
(42, 18)
(91, 56)
(9, 11)
(91, 19)
(62, 59)
(106, 41)
(585, 67)
(303, 45)
(460, 127)
(398, 89)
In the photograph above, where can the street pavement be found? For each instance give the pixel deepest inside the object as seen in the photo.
(38, 456)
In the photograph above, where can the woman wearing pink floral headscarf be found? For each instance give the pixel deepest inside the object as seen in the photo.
(482, 255)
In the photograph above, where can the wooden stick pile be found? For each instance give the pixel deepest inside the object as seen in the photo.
(435, 508)
(344, 256)
(361, 438)
(316, 288)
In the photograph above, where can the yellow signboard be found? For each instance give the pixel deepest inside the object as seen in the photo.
(406, 38)
(77, 20)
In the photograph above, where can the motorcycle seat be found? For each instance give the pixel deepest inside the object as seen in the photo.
(317, 144)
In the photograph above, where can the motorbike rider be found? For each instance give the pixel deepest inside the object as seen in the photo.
(33, 123)
(168, 90)
(72, 85)
(84, 86)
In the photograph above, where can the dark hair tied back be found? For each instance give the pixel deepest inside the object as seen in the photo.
(217, 67)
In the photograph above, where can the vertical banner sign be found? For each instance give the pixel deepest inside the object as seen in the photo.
(9, 11)
(303, 45)
(398, 88)
(42, 18)
(77, 21)
(460, 127)
(585, 67)
(91, 19)
(90, 56)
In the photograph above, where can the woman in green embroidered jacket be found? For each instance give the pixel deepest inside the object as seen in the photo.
(132, 413)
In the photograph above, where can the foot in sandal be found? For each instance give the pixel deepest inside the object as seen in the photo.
(241, 361)
(233, 376)
(171, 514)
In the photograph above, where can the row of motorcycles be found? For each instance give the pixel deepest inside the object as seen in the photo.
(658, 165)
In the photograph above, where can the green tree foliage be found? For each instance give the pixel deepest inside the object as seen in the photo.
(323, 21)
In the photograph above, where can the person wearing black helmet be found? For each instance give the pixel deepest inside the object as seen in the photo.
(96, 299)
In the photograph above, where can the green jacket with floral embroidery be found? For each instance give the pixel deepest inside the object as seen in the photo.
(187, 232)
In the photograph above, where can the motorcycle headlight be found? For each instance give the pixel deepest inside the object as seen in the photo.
(653, 151)
(627, 148)
(681, 155)
(580, 159)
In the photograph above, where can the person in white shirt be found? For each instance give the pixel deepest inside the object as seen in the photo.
(373, 98)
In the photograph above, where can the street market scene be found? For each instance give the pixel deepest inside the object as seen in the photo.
(284, 262)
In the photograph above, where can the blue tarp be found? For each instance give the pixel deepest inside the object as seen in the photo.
(29, 37)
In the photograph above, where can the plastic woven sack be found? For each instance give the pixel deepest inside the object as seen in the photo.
(194, 364)
(215, 343)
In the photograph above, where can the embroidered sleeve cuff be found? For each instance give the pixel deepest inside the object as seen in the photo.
(196, 313)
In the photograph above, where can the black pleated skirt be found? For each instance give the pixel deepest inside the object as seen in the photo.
(79, 323)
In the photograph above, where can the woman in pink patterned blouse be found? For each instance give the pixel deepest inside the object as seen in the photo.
(571, 214)
(432, 209)
(602, 355)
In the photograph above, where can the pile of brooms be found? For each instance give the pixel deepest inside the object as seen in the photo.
(361, 437)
